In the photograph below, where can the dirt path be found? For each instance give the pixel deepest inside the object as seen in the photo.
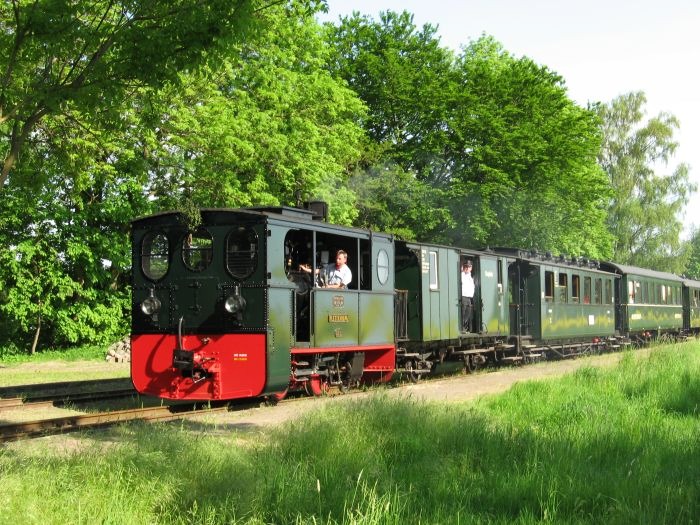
(457, 388)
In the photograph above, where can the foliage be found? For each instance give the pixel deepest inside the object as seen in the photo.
(645, 206)
(393, 200)
(403, 75)
(263, 125)
(613, 446)
(524, 158)
(692, 267)
(91, 54)
(497, 149)
(270, 126)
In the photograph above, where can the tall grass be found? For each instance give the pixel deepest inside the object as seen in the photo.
(618, 445)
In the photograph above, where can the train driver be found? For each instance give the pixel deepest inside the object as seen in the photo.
(335, 275)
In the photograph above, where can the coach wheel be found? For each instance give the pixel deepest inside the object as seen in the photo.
(411, 372)
(316, 386)
(469, 364)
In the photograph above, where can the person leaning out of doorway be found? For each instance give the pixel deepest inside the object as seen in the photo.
(467, 296)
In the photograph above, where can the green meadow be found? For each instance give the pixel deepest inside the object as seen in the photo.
(602, 445)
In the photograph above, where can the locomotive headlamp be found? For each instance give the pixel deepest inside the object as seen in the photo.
(151, 304)
(235, 303)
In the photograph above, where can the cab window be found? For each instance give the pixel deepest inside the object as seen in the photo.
(155, 255)
(197, 250)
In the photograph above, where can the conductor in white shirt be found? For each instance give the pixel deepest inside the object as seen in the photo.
(467, 296)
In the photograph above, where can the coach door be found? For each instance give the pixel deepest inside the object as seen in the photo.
(522, 286)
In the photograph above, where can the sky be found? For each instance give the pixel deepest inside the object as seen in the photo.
(602, 49)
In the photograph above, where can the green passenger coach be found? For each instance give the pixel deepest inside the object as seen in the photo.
(558, 300)
(691, 302)
(649, 303)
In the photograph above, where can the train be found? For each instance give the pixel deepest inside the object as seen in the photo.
(232, 305)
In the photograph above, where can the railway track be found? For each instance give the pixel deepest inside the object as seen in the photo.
(67, 389)
(58, 425)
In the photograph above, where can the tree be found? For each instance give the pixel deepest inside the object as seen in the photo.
(268, 126)
(262, 124)
(88, 55)
(692, 246)
(645, 206)
(511, 157)
(393, 200)
(406, 79)
(523, 158)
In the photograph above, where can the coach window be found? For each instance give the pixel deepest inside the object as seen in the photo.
(241, 252)
(608, 292)
(433, 262)
(197, 250)
(155, 255)
(586, 290)
(563, 288)
(630, 291)
(575, 288)
(548, 286)
(598, 297)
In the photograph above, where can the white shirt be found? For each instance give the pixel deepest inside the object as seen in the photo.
(467, 284)
(338, 275)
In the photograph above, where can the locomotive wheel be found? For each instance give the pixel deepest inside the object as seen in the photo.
(279, 396)
(413, 376)
(316, 387)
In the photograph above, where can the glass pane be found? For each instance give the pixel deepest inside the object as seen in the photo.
(155, 256)
(197, 250)
(382, 266)
(242, 252)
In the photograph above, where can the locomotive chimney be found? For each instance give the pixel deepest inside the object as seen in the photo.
(319, 210)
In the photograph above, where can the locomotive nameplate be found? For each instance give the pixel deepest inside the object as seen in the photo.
(338, 318)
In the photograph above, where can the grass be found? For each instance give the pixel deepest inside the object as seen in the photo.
(614, 445)
(12, 356)
(48, 366)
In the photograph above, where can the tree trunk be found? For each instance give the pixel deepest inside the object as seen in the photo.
(36, 335)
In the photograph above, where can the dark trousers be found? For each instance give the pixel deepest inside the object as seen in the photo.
(467, 310)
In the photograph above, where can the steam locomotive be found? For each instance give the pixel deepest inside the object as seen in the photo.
(221, 309)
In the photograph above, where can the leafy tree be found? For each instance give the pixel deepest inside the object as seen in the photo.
(63, 271)
(692, 247)
(262, 124)
(406, 79)
(271, 126)
(523, 158)
(89, 55)
(393, 200)
(511, 157)
(645, 206)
